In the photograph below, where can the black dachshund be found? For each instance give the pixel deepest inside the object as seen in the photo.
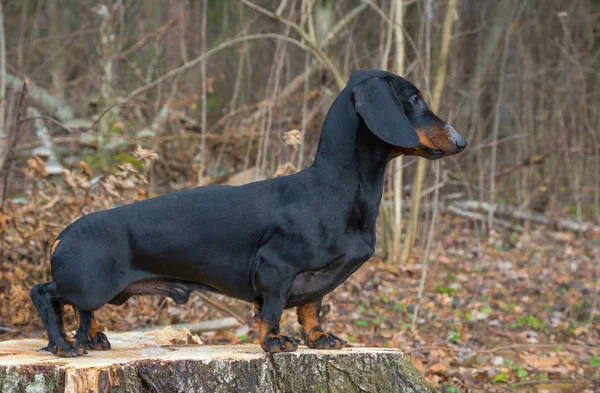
(278, 243)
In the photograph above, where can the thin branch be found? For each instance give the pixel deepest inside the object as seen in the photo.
(209, 53)
(343, 23)
(221, 306)
(316, 50)
(430, 237)
(203, 125)
(65, 127)
(6, 329)
(281, 7)
(2, 76)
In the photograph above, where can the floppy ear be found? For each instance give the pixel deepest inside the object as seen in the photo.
(376, 103)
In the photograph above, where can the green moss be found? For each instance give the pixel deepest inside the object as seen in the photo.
(127, 158)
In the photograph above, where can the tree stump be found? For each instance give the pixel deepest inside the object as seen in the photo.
(139, 363)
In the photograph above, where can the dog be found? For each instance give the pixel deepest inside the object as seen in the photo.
(279, 243)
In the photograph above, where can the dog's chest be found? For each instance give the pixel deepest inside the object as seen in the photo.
(345, 258)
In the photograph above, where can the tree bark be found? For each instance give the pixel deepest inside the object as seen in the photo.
(399, 70)
(138, 364)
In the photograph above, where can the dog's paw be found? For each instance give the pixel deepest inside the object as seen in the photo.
(322, 340)
(274, 343)
(96, 342)
(67, 349)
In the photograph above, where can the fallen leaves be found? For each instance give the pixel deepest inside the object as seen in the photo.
(491, 315)
(540, 362)
(170, 336)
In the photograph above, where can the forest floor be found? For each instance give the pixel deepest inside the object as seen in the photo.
(498, 314)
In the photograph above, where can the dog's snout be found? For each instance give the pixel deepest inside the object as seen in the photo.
(460, 142)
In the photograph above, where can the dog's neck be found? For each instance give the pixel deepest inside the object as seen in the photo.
(350, 153)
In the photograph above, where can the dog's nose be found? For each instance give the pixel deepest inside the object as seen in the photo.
(461, 143)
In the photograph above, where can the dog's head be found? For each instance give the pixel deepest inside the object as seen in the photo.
(395, 111)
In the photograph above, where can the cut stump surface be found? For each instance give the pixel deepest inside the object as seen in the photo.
(137, 363)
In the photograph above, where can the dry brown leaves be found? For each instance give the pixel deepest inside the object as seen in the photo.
(28, 226)
(509, 315)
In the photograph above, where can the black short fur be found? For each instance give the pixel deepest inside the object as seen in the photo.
(279, 243)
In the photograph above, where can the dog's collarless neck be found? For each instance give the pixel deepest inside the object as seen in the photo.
(350, 156)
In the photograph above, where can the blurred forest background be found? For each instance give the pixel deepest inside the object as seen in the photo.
(104, 102)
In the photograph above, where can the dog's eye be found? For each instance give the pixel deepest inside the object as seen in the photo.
(414, 99)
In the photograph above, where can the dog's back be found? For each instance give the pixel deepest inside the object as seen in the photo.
(194, 235)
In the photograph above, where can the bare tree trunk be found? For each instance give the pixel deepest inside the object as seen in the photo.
(495, 130)
(496, 124)
(194, 35)
(435, 105)
(3, 130)
(386, 36)
(397, 174)
(107, 55)
(175, 13)
(203, 125)
(58, 67)
(430, 238)
(323, 19)
(306, 5)
(494, 32)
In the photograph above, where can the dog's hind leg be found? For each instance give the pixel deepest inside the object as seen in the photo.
(88, 334)
(50, 307)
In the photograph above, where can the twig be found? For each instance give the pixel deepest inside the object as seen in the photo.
(505, 348)
(538, 218)
(155, 313)
(223, 307)
(209, 53)
(6, 329)
(316, 50)
(551, 381)
(594, 306)
(144, 40)
(121, 105)
(281, 7)
(343, 23)
(50, 119)
(540, 346)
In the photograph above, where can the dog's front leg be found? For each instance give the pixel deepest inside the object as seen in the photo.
(312, 333)
(272, 286)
